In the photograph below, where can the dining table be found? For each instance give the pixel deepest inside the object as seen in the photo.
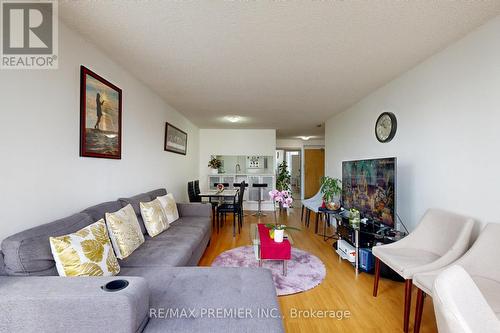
(217, 197)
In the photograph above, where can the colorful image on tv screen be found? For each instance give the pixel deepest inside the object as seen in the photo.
(369, 186)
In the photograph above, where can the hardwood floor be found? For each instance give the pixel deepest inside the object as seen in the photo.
(340, 290)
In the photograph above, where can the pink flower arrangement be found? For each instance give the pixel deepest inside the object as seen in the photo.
(284, 198)
(220, 187)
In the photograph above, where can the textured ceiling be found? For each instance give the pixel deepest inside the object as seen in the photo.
(280, 64)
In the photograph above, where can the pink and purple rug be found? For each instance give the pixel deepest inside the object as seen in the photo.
(305, 271)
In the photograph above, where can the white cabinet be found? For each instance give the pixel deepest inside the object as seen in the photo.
(251, 193)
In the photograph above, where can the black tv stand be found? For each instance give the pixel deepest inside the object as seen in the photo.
(365, 236)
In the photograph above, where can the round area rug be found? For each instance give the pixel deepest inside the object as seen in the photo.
(305, 271)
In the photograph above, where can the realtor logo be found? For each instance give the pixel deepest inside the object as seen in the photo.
(29, 34)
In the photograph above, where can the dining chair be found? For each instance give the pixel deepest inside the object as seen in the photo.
(480, 262)
(236, 208)
(439, 239)
(197, 187)
(193, 196)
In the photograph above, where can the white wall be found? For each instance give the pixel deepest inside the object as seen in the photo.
(42, 176)
(234, 142)
(447, 143)
(298, 143)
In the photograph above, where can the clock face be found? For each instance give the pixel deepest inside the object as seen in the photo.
(385, 128)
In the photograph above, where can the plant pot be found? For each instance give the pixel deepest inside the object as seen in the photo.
(333, 205)
(278, 235)
(213, 171)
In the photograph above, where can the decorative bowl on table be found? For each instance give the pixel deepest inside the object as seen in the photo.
(220, 188)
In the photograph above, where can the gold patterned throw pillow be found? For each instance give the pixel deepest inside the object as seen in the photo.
(87, 252)
(124, 231)
(170, 207)
(154, 217)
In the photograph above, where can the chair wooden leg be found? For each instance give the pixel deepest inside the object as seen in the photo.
(234, 224)
(406, 319)
(308, 217)
(377, 277)
(217, 221)
(316, 223)
(418, 310)
(302, 214)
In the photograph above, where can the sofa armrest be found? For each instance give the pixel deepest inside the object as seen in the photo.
(194, 209)
(60, 304)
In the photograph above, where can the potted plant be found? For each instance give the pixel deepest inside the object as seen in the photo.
(283, 177)
(277, 231)
(331, 189)
(214, 164)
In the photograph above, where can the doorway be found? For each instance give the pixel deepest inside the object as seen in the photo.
(293, 159)
(314, 170)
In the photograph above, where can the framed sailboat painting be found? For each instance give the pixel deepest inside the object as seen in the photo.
(100, 116)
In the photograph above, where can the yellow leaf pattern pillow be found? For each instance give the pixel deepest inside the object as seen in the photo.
(87, 252)
(154, 217)
(124, 231)
(170, 207)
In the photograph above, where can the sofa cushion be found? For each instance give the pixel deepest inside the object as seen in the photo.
(210, 288)
(28, 252)
(169, 207)
(190, 236)
(204, 223)
(87, 252)
(167, 253)
(98, 211)
(124, 231)
(134, 201)
(157, 193)
(154, 217)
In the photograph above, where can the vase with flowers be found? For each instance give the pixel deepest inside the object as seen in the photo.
(220, 188)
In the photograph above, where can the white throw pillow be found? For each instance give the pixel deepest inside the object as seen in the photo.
(154, 217)
(170, 207)
(124, 231)
(87, 252)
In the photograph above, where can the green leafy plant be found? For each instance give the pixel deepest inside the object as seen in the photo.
(214, 163)
(283, 178)
(280, 227)
(330, 187)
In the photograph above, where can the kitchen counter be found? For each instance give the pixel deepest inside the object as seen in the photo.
(243, 174)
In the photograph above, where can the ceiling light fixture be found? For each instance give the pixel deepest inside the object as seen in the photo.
(305, 138)
(233, 119)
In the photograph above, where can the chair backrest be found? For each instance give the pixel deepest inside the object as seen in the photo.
(191, 192)
(318, 195)
(482, 257)
(439, 230)
(197, 187)
(460, 306)
(241, 192)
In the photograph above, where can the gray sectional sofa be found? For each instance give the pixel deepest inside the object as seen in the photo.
(163, 293)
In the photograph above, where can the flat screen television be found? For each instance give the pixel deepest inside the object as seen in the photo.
(370, 187)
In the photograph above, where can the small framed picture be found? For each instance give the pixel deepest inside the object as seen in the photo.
(175, 140)
(100, 116)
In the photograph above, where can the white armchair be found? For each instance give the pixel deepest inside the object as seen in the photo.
(481, 262)
(440, 238)
(312, 205)
(460, 306)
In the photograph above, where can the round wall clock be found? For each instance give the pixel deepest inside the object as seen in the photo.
(385, 127)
